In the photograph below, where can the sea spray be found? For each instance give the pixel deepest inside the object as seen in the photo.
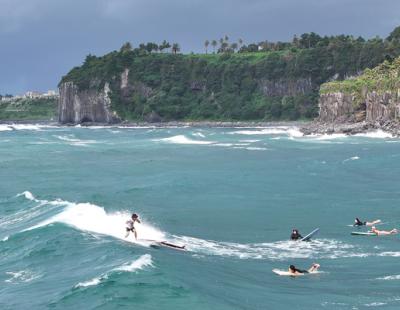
(92, 218)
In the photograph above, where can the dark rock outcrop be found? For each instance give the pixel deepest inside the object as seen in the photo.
(344, 113)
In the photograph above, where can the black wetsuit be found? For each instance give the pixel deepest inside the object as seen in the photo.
(294, 236)
(302, 271)
(359, 223)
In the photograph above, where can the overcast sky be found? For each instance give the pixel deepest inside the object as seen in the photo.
(41, 40)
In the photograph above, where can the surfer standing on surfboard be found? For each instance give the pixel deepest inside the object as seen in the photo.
(130, 225)
(295, 235)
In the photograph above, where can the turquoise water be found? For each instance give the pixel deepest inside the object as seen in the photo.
(231, 196)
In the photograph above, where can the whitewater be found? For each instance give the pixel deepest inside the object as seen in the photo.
(230, 195)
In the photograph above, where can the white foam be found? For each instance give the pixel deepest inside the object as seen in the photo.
(92, 218)
(138, 264)
(5, 128)
(181, 139)
(224, 144)
(352, 158)
(142, 262)
(329, 137)
(251, 148)
(21, 276)
(249, 141)
(392, 254)
(280, 130)
(25, 127)
(376, 304)
(198, 134)
(378, 134)
(74, 141)
(5, 238)
(280, 250)
(28, 195)
(394, 277)
(91, 282)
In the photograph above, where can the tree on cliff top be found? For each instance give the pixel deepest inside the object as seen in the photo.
(175, 48)
(394, 35)
(206, 44)
(126, 47)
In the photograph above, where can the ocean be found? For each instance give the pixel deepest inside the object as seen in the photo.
(230, 195)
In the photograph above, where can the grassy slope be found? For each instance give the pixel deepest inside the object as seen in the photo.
(29, 109)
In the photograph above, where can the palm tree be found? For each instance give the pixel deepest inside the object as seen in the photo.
(240, 41)
(206, 44)
(224, 46)
(167, 45)
(175, 48)
(214, 44)
(234, 46)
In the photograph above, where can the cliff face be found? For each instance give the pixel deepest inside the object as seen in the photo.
(373, 107)
(89, 105)
(93, 104)
(372, 98)
(286, 87)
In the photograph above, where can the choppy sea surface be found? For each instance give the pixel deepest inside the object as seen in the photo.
(230, 195)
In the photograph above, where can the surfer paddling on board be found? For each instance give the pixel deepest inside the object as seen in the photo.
(383, 232)
(358, 222)
(295, 235)
(297, 272)
(130, 225)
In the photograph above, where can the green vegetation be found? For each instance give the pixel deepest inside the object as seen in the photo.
(265, 81)
(28, 109)
(383, 78)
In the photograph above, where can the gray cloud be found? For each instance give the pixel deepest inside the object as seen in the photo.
(43, 39)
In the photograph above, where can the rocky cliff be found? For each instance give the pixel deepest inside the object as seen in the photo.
(371, 100)
(88, 105)
(141, 85)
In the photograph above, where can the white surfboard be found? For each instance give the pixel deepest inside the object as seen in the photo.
(361, 233)
(290, 274)
(310, 235)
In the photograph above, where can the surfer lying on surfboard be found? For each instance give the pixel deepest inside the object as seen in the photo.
(358, 222)
(383, 232)
(293, 270)
(130, 225)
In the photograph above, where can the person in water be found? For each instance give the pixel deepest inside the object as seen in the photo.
(293, 270)
(130, 225)
(358, 222)
(295, 235)
(383, 232)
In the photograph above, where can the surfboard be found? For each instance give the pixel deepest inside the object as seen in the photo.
(171, 245)
(166, 244)
(360, 233)
(310, 235)
(287, 273)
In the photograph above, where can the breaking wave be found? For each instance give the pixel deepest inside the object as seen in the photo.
(181, 139)
(138, 264)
